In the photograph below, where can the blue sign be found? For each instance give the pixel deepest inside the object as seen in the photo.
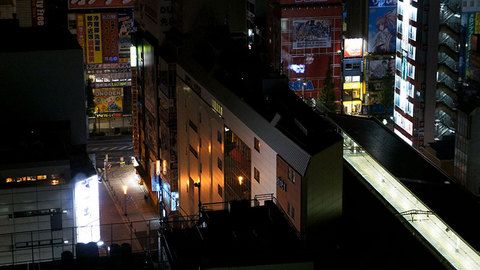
(383, 3)
(297, 85)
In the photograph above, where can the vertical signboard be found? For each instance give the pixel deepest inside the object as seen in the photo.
(125, 22)
(87, 214)
(382, 21)
(38, 12)
(94, 38)
(81, 33)
(109, 37)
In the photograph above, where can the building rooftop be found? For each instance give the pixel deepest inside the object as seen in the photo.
(38, 39)
(456, 206)
(239, 235)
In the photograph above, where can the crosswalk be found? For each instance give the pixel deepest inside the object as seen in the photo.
(93, 149)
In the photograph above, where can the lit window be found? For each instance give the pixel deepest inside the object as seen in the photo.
(42, 177)
(9, 180)
(54, 182)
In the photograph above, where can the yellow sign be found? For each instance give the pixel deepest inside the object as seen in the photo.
(108, 100)
(477, 23)
(94, 38)
(356, 85)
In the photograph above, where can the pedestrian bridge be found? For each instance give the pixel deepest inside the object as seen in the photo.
(449, 247)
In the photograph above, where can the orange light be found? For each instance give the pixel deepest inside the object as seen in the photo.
(158, 167)
(164, 165)
(54, 182)
(240, 180)
(125, 188)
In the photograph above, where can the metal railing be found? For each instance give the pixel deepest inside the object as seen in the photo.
(46, 245)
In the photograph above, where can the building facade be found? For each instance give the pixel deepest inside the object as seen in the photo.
(304, 40)
(427, 70)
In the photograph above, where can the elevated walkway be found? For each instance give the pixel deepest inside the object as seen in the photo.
(439, 237)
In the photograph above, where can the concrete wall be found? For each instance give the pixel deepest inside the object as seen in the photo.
(322, 189)
(36, 229)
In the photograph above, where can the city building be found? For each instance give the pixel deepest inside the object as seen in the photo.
(223, 150)
(48, 185)
(103, 31)
(427, 70)
(304, 41)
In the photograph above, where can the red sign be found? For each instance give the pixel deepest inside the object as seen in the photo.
(87, 4)
(109, 37)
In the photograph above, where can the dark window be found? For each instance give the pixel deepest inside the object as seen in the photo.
(348, 66)
(220, 191)
(256, 144)
(193, 126)
(256, 174)
(194, 152)
(219, 136)
(288, 208)
(293, 212)
(291, 175)
(56, 221)
(219, 164)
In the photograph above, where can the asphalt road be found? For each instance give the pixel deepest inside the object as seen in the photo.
(115, 147)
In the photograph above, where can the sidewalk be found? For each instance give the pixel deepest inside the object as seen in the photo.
(137, 226)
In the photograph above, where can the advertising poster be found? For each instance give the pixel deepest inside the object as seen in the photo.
(84, 4)
(38, 13)
(353, 47)
(312, 34)
(109, 37)
(378, 68)
(94, 38)
(81, 33)
(108, 100)
(382, 22)
(125, 24)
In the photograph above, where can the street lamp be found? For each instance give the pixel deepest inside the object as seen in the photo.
(240, 180)
(125, 189)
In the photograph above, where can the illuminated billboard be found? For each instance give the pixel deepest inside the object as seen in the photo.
(108, 100)
(312, 34)
(353, 47)
(94, 38)
(83, 4)
(109, 37)
(382, 21)
(87, 214)
(125, 25)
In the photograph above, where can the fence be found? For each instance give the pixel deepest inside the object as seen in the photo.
(47, 245)
(110, 126)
